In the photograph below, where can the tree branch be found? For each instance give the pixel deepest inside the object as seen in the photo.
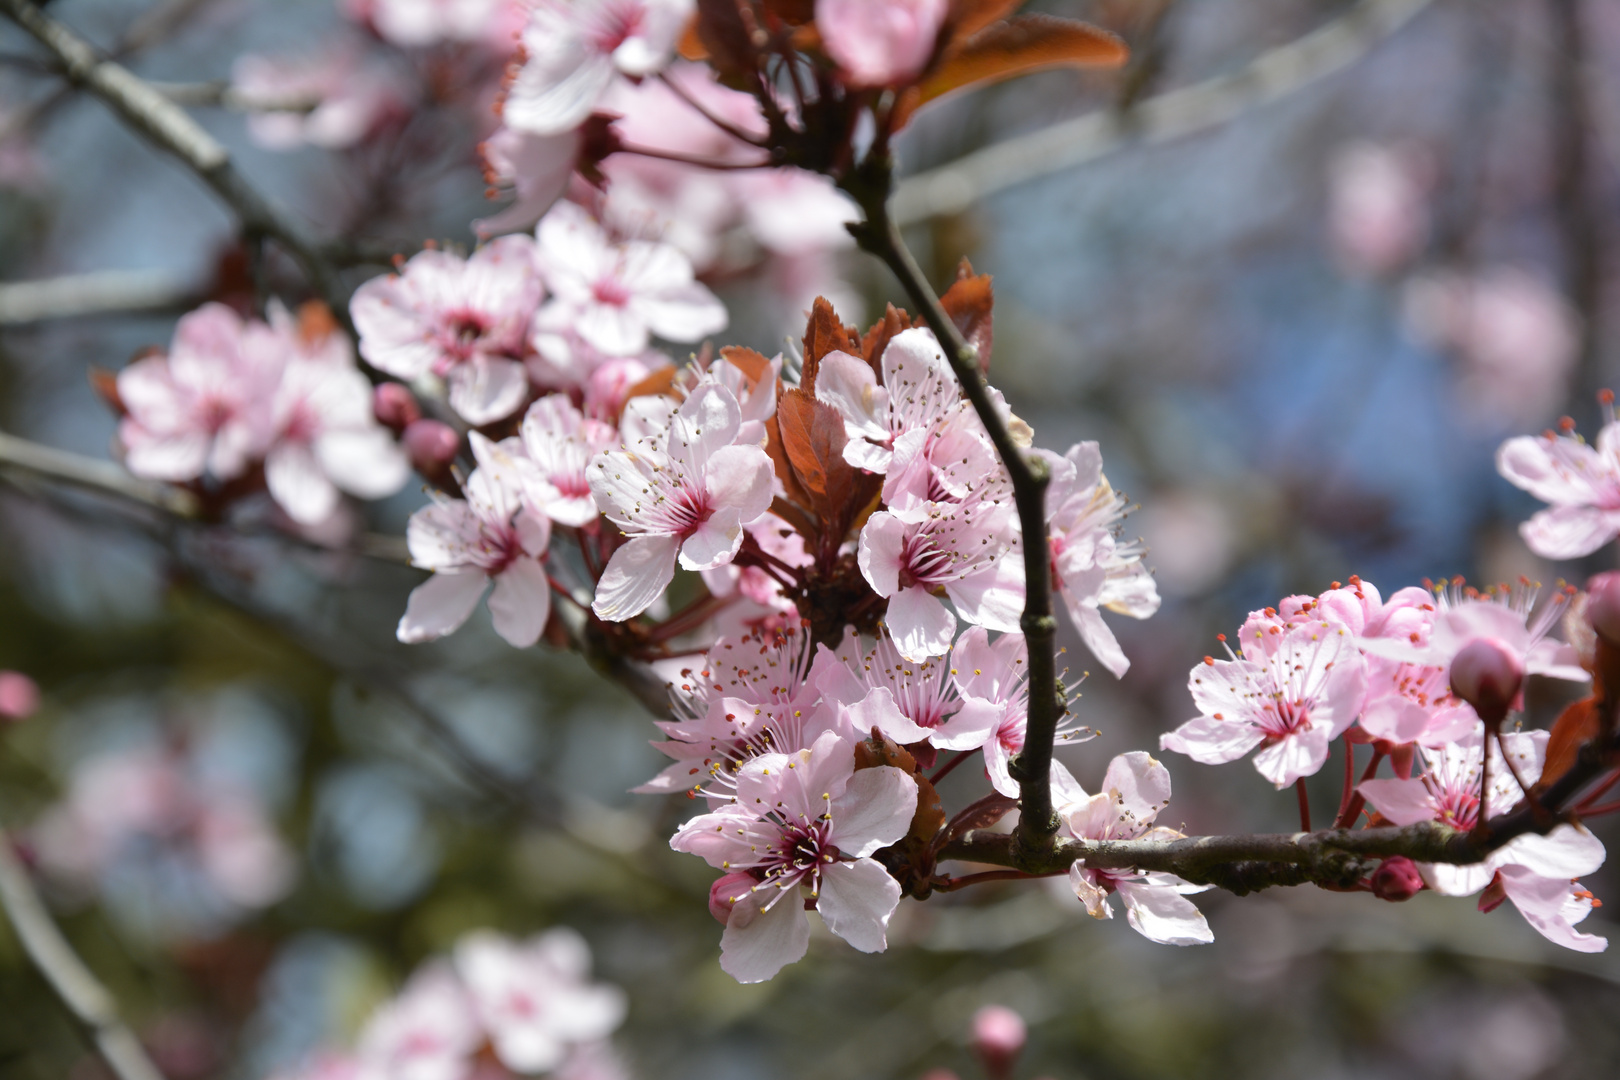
(102, 477)
(951, 189)
(92, 1007)
(103, 292)
(870, 186)
(167, 126)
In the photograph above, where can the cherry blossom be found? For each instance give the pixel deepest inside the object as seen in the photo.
(492, 535)
(914, 701)
(1135, 788)
(804, 821)
(683, 495)
(1378, 205)
(880, 42)
(997, 673)
(19, 696)
(1535, 872)
(1580, 481)
(464, 320)
(1508, 615)
(560, 443)
(199, 409)
(616, 295)
(1092, 568)
(533, 998)
(332, 99)
(536, 168)
(416, 23)
(1292, 702)
(574, 49)
(429, 1032)
(918, 388)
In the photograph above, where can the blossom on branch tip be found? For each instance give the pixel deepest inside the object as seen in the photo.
(918, 388)
(1135, 788)
(1580, 480)
(880, 42)
(463, 320)
(492, 535)
(684, 495)
(804, 822)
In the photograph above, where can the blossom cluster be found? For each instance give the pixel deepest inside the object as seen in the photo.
(1387, 673)
(496, 1008)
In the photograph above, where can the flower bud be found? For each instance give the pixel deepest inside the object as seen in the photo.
(1603, 605)
(1487, 673)
(724, 894)
(431, 445)
(395, 406)
(19, 697)
(998, 1039)
(1397, 879)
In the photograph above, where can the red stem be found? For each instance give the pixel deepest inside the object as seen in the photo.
(945, 770)
(1304, 805)
(1348, 815)
(1601, 789)
(688, 159)
(952, 884)
(1594, 811)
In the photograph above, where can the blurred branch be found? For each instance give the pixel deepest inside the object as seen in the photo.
(951, 189)
(93, 1008)
(1580, 226)
(103, 292)
(223, 94)
(167, 126)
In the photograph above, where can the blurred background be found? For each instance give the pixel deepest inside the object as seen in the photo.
(1300, 268)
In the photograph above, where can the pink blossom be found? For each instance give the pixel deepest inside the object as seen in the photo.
(1093, 569)
(616, 295)
(492, 535)
(914, 701)
(534, 998)
(573, 51)
(325, 433)
(560, 443)
(19, 696)
(997, 674)
(417, 23)
(429, 1032)
(1291, 702)
(536, 167)
(880, 42)
(683, 494)
(1407, 702)
(1509, 616)
(918, 389)
(1135, 788)
(199, 409)
(999, 1035)
(806, 819)
(332, 99)
(464, 320)
(792, 212)
(1378, 214)
(1580, 481)
(1535, 871)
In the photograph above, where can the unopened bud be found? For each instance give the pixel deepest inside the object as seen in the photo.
(1396, 879)
(19, 697)
(1488, 673)
(998, 1039)
(724, 894)
(395, 406)
(431, 445)
(1603, 605)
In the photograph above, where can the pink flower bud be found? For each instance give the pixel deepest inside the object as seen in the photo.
(1488, 673)
(395, 405)
(1603, 605)
(998, 1039)
(1397, 879)
(880, 42)
(725, 893)
(431, 445)
(19, 697)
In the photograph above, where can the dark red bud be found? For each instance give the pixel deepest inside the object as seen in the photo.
(395, 406)
(1488, 674)
(1603, 605)
(1396, 879)
(998, 1038)
(431, 445)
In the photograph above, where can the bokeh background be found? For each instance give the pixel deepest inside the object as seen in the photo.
(1299, 333)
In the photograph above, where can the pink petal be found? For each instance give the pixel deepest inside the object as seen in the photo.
(1293, 756)
(1405, 802)
(759, 943)
(1210, 741)
(440, 605)
(521, 602)
(874, 811)
(1160, 913)
(715, 542)
(1570, 532)
(857, 899)
(487, 389)
(636, 575)
(882, 541)
(920, 623)
(1139, 785)
(298, 485)
(1550, 906)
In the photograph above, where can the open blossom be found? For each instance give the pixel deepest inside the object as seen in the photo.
(1291, 702)
(1135, 788)
(918, 389)
(464, 320)
(616, 295)
(683, 494)
(880, 42)
(560, 443)
(914, 702)
(200, 408)
(1508, 616)
(492, 535)
(332, 99)
(1090, 565)
(533, 998)
(536, 168)
(416, 23)
(1536, 872)
(1580, 480)
(805, 822)
(574, 49)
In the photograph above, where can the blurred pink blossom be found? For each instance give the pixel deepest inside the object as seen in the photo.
(1378, 213)
(19, 696)
(332, 99)
(880, 42)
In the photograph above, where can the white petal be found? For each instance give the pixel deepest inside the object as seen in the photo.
(874, 811)
(757, 943)
(521, 602)
(636, 575)
(921, 624)
(1160, 913)
(298, 485)
(440, 605)
(857, 899)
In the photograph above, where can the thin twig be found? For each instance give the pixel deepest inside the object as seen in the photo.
(951, 189)
(103, 292)
(91, 474)
(93, 1008)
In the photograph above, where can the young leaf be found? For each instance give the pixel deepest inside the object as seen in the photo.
(968, 17)
(968, 302)
(1578, 724)
(1019, 46)
(824, 334)
(877, 339)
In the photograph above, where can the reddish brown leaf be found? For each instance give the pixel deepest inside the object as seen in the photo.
(726, 36)
(930, 815)
(1022, 45)
(661, 381)
(968, 17)
(813, 435)
(968, 302)
(753, 365)
(824, 334)
(315, 322)
(882, 750)
(877, 339)
(690, 45)
(105, 384)
(784, 467)
(1577, 725)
